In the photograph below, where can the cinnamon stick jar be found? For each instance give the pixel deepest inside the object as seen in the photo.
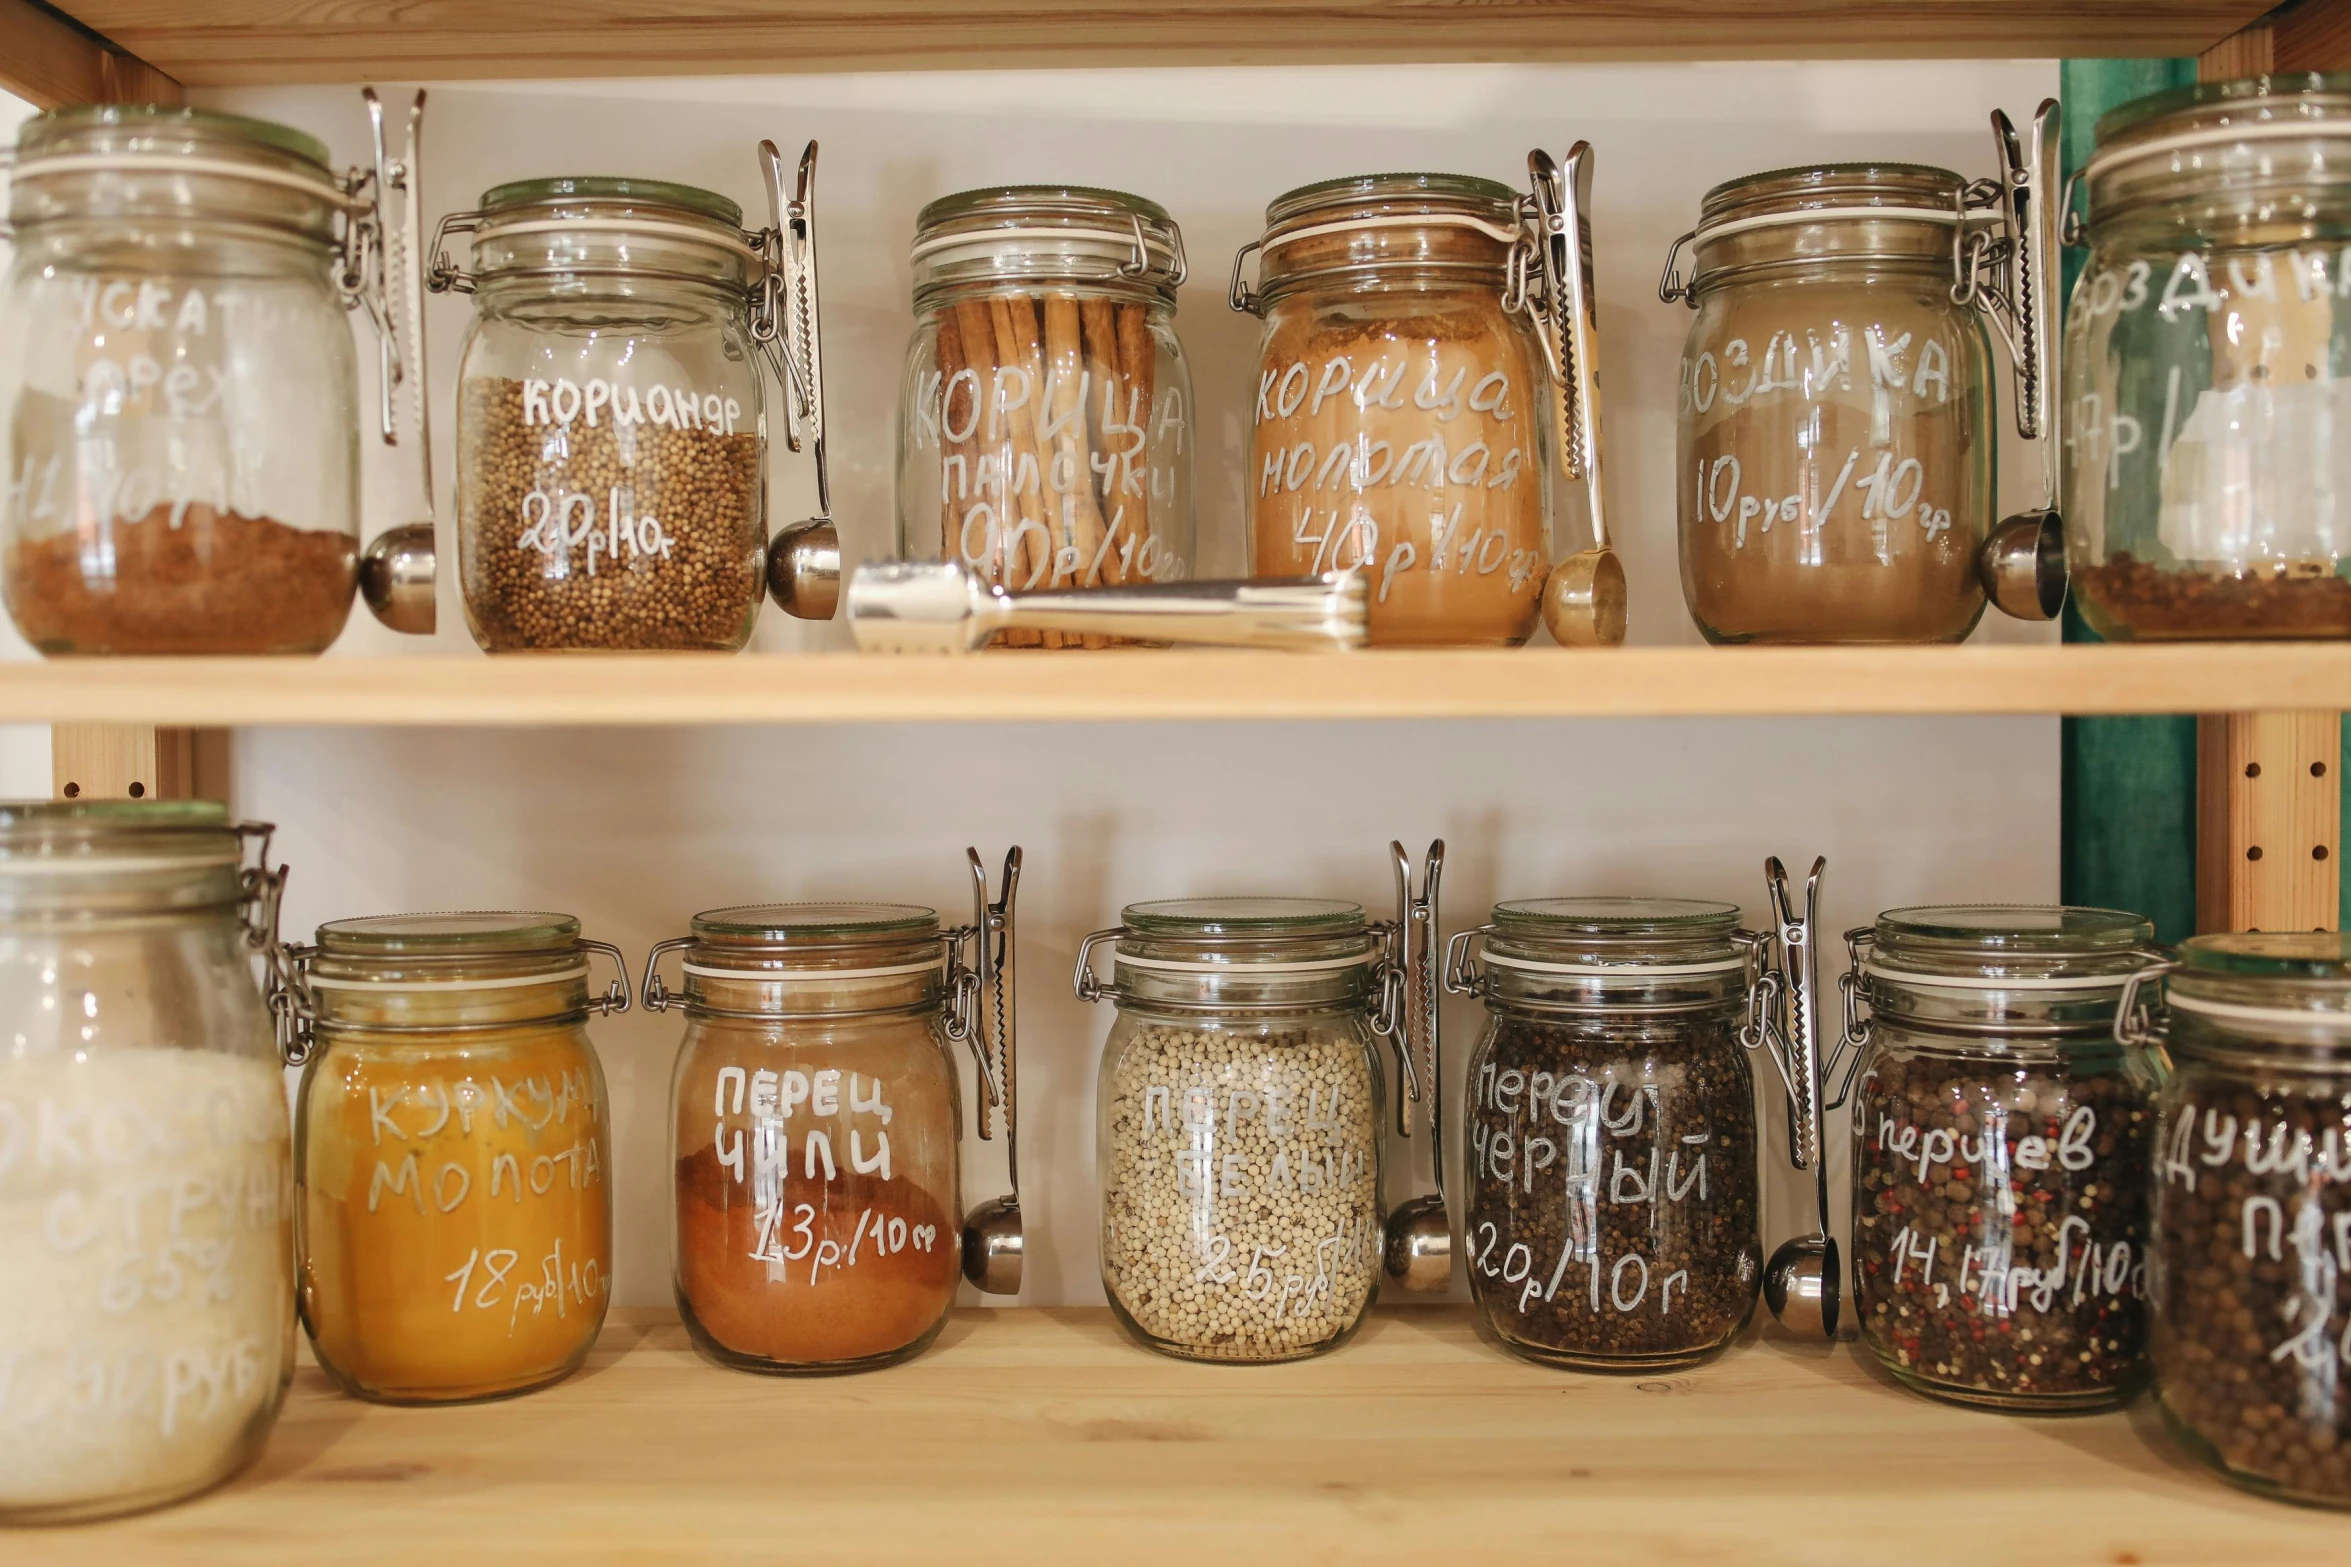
(1045, 419)
(1403, 418)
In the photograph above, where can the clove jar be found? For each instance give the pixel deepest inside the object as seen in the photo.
(2208, 365)
(1417, 359)
(2250, 1270)
(453, 1154)
(146, 1260)
(1238, 1107)
(1612, 1215)
(1836, 434)
(2001, 1143)
(813, 1136)
(178, 381)
(612, 422)
(1045, 418)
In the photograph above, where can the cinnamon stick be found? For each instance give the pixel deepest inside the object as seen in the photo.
(1028, 557)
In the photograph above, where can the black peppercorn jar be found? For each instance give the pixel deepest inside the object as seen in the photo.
(2000, 1150)
(2250, 1235)
(1611, 1219)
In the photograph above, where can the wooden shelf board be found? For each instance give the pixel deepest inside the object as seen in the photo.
(233, 42)
(1041, 1435)
(591, 689)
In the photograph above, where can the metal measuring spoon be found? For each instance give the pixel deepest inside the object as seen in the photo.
(1584, 597)
(993, 1242)
(804, 558)
(1803, 1281)
(2022, 564)
(396, 572)
(1418, 1255)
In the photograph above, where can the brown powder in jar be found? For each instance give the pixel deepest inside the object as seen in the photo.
(1412, 446)
(209, 582)
(633, 536)
(2127, 598)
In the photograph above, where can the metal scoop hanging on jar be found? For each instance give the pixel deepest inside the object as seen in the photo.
(993, 1242)
(1419, 1251)
(1803, 1283)
(384, 274)
(804, 558)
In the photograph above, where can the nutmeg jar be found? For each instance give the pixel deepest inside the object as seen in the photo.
(612, 421)
(1238, 1108)
(2001, 1147)
(453, 1153)
(1837, 441)
(1611, 1221)
(146, 1264)
(1428, 357)
(1045, 421)
(816, 1112)
(2207, 372)
(2250, 1265)
(178, 386)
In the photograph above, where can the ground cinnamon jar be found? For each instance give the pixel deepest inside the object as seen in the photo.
(814, 1133)
(1403, 418)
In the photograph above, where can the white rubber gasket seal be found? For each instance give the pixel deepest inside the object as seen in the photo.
(1432, 220)
(2240, 1012)
(1248, 970)
(2218, 136)
(714, 238)
(811, 976)
(98, 865)
(1616, 970)
(516, 982)
(1918, 981)
(165, 163)
(1775, 220)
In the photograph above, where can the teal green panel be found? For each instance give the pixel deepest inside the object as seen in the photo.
(2128, 784)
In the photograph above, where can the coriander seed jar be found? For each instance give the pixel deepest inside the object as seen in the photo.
(1611, 1217)
(179, 387)
(146, 1261)
(2001, 1143)
(612, 420)
(2208, 365)
(453, 1154)
(2250, 1265)
(1045, 419)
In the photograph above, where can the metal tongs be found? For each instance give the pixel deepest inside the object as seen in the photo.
(940, 607)
(1803, 1282)
(385, 275)
(804, 558)
(993, 1242)
(1419, 1250)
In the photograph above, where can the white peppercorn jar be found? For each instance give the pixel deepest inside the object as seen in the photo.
(2000, 1153)
(2249, 1265)
(1237, 1122)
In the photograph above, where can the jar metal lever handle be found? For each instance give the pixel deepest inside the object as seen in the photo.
(2134, 1027)
(658, 995)
(615, 999)
(1084, 980)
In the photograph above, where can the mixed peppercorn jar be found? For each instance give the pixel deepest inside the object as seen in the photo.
(1045, 420)
(453, 1154)
(146, 1264)
(813, 1135)
(2207, 372)
(2001, 1142)
(2250, 1245)
(1238, 1107)
(1611, 1221)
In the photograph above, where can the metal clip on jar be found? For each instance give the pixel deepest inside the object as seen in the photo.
(146, 1265)
(815, 1124)
(2001, 1142)
(178, 383)
(1836, 436)
(611, 418)
(1045, 421)
(452, 1153)
(1612, 1210)
(1238, 1109)
(2207, 367)
(1430, 350)
(2249, 1266)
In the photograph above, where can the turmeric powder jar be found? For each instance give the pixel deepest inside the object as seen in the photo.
(452, 1155)
(1404, 404)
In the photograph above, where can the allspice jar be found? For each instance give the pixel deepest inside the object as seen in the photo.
(1612, 1220)
(2250, 1265)
(2001, 1142)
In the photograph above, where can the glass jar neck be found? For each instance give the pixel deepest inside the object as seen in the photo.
(1596, 972)
(943, 288)
(902, 974)
(1847, 223)
(1935, 987)
(1305, 974)
(449, 994)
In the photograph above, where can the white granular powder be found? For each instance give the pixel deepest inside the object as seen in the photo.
(1240, 1215)
(146, 1276)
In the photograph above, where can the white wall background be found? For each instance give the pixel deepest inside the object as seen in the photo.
(635, 830)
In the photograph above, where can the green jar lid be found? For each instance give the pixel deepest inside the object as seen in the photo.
(1535, 918)
(1210, 919)
(1993, 929)
(451, 935)
(2268, 955)
(623, 189)
(813, 924)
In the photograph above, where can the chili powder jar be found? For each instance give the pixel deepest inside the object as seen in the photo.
(1612, 1216)
(2250, 1265)
(453, 1154)
(2001, 1140)
(816, 1116)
